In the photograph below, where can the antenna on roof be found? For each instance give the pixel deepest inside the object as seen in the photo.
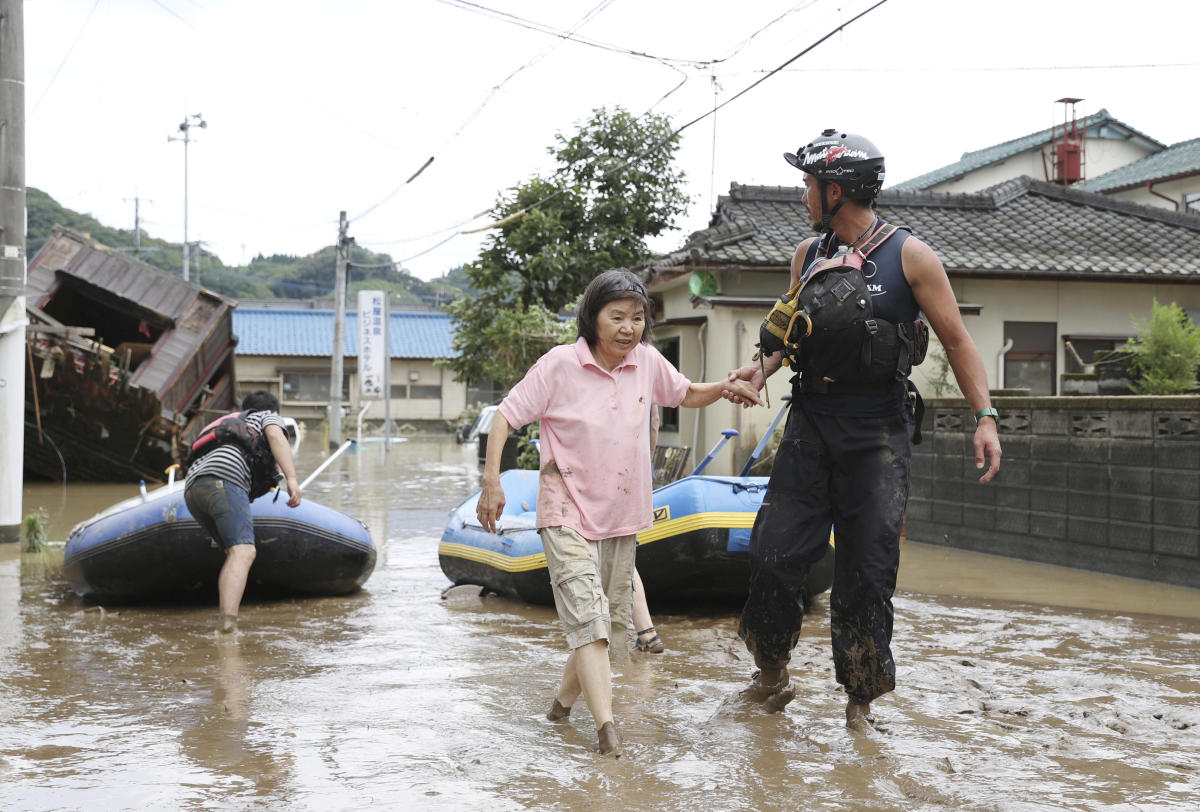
(1067, 146)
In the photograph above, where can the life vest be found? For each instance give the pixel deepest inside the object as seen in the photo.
(825, 325)
(233, 429)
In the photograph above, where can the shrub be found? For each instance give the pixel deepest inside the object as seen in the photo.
(939, 374)
(1166, 352)
(35, 531)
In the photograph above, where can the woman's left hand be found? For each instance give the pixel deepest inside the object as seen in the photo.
(491, 504)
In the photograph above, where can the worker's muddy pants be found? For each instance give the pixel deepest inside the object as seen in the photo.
(851, 472)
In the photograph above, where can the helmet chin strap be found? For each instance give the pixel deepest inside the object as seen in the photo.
(826, 225)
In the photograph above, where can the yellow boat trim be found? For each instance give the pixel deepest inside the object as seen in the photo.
(662, 530)
(696, 521)
(500, 561)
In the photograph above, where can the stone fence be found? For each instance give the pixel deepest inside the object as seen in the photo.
(1100, 483)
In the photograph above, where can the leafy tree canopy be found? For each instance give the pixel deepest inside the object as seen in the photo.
(614, 186)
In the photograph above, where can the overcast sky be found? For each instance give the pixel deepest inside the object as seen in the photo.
(314, 107)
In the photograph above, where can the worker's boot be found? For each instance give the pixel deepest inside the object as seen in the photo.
(770, 687)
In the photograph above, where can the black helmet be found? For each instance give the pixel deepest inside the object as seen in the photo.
(852, 161)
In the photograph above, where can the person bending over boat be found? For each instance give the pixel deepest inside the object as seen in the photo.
(593, 399)
(218, 488)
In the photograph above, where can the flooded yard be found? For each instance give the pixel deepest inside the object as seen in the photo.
(1020, 687)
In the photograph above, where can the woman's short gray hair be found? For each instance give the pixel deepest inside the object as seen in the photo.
(611, 286)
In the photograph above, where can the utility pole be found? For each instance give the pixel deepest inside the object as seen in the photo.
(193, 120)
(137, 225)
(12, 265)
(339, 331)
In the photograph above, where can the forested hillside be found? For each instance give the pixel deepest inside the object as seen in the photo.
(276, 276)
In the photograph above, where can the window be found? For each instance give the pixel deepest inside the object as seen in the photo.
(311, 386)
(1191, 202)
(669, 347)
(418, 392)
(1030, 362)
(248, 385)
(1088, 347)
(399, 391)
(487, 392)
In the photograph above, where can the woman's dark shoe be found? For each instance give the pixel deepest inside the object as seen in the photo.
(609, 742)
(654, 644)
(558, 711)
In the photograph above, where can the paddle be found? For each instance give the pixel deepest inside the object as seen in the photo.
(325, 464)
(725, 435)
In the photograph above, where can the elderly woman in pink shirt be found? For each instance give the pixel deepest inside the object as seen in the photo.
(593, 399)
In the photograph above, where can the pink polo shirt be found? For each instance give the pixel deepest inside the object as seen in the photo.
(596, 428)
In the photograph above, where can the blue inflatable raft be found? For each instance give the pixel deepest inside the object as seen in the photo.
(697, 549)
(150, 547)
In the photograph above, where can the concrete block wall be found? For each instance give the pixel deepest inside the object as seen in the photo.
(1110, 484)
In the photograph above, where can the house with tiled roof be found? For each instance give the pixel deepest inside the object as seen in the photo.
(1108, 144)
(1031, 263)
(287, 351)
(1169, 179)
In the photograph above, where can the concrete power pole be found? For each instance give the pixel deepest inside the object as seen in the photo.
(137, 224)
(339, 332)
(189, 121)
(12, 265)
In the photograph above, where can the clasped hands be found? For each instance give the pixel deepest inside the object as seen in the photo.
(742, 386)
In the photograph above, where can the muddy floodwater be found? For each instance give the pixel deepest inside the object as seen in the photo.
(1020, 687)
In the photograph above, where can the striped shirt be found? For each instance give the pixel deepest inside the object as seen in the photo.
(227, 461)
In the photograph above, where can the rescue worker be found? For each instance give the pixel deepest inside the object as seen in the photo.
(846, 450)
(217, 493)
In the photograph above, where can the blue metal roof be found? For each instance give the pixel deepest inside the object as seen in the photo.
(1097, 125)
(275, 331)
(1177, 160)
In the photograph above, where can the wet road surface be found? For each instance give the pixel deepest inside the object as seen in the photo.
(1020, 687)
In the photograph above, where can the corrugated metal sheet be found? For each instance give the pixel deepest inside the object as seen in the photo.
(274, 331)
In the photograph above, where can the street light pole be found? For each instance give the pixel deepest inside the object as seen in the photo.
(194, 120)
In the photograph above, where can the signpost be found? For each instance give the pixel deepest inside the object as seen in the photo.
(374, 357)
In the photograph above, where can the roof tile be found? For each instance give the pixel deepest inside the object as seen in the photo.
(980, 158)
(1176, 160)
(1020, 227)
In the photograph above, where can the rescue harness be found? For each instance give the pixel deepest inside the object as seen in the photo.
(826, 327)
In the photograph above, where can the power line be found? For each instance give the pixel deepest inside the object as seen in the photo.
(987, 69)
(542, 28)
(478, 110)
(62, 64)
(172, 12)
(468, 6)
(657, 146)
(738, 48)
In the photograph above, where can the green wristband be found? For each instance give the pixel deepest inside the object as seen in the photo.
(988, 412)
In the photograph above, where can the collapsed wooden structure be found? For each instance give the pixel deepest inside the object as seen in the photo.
(125, 363)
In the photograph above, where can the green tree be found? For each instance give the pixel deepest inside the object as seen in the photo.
(1166, 352)
(615, 185)
(940, 371)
